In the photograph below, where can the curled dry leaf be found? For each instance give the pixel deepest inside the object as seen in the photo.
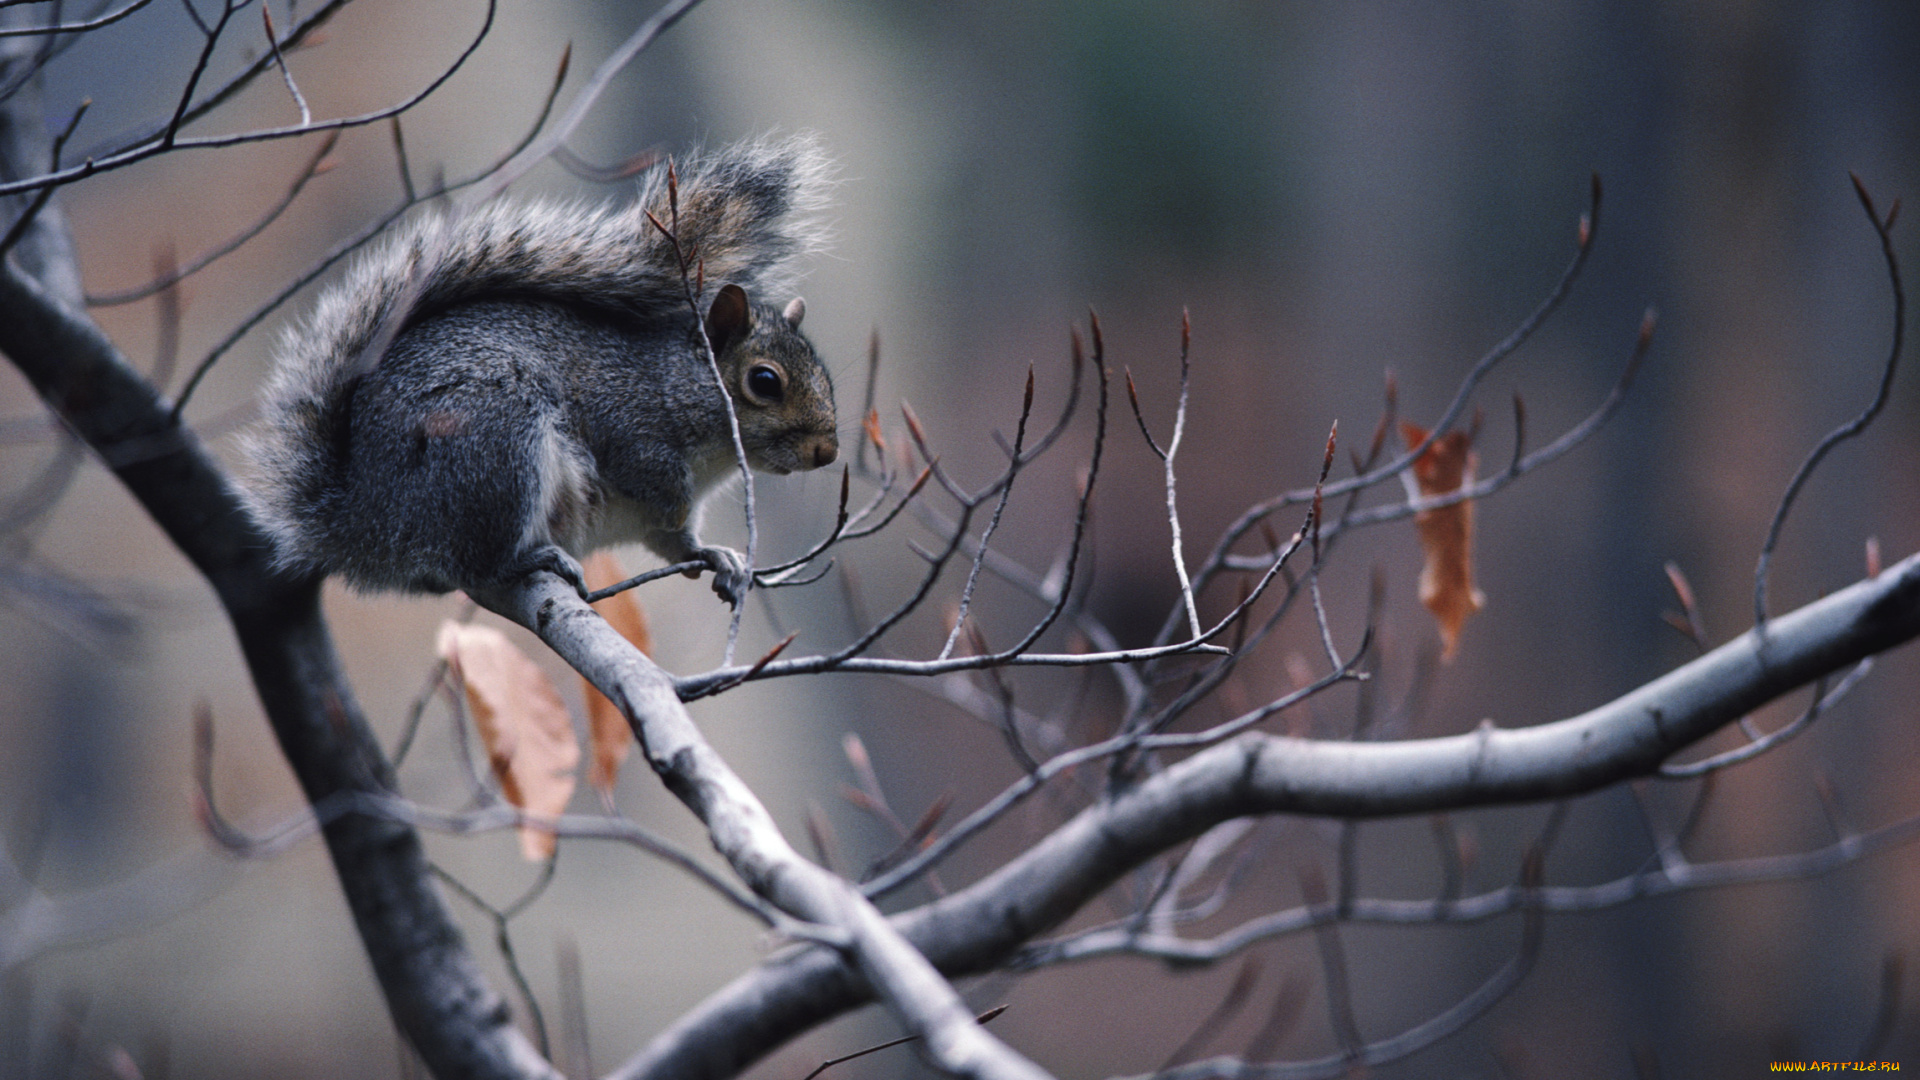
(612, 739)
(1446, 533)
(522, 722)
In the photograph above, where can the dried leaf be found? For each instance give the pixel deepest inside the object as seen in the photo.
(1446, 533)
(612, 738)
(522, 722)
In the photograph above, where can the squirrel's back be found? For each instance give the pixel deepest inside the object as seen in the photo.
(744, 213)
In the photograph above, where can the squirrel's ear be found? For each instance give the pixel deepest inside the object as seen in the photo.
(727, 318)
(795, 312)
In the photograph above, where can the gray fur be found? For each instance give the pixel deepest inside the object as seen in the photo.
(547, 390)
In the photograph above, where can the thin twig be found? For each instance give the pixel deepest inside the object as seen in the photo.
(690, 285)
(1571, 438)
(1018, 791)
(641, 579)
(1230, 1005)
(76, 28)
(632, 165)
(1655, 880)
(499, 177)
(503, 940)
(983, 1018)
(1333, 965)
(315, 166)
(171, 133)
(39, 201)
(1823, 700)
(286, 73)
(341, 251)
(1882, 228)
(1166, 458)
(993, 523)
(169, 139)
(1221, 558)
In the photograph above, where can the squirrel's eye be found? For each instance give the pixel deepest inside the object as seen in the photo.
(765, 383)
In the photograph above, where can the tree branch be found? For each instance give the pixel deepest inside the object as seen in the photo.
(977, 928)
(744, 833)
(460, 1026)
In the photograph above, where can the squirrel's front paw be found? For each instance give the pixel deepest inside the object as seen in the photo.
(730, 573)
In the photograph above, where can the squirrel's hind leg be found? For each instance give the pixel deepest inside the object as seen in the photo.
(459, 478)
(561, 506)
(552, 559)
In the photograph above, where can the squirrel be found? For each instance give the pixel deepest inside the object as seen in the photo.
(545, 389)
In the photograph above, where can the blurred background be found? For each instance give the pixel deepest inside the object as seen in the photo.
(1334, 192)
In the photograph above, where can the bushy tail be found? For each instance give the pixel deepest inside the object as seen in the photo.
(744, 214)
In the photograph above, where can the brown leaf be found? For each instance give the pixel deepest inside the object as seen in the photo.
(522, 722)
(1446, 533)
(612, 738)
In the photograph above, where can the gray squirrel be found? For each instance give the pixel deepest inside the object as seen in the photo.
(546, 390)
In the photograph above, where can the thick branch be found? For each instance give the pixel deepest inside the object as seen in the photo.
(460, 1026)
(977, 928)
(744, 833)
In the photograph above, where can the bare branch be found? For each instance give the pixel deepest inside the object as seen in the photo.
(641, 579)
(1333, 969)
(1124, 744)
(1892, 972)
(431, 982)
(744, 833)
(993, 523)
(1166, 459)
(341, 251)
(315, 166)
(169, 138)
(498, 178)
(1823, 699)
(1659, 879)
(983, 1018)
(494, 815)
(75, 28)
(633, 165)
(171, 132)
(1221, 558)
(40, 198)
(1230, 1005)
(286, 73)
(34, 923)
(1479, 489)
(980, 926)
(1882, 228)
(690, 273)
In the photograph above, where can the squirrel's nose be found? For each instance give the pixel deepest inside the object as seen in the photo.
(825, 449)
